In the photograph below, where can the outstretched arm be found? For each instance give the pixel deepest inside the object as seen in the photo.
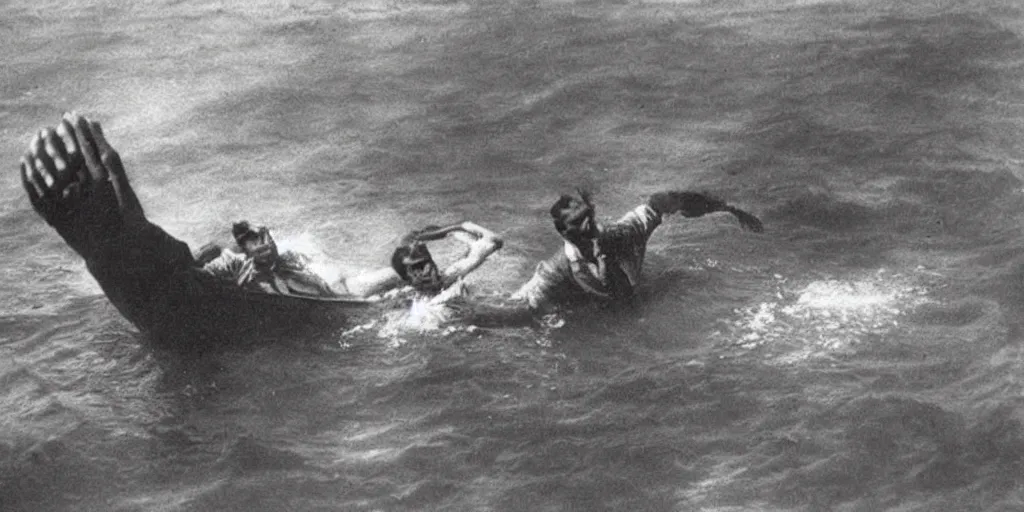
(693, 204)
(371, 283)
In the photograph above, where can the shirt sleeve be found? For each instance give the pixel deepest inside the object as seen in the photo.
(625, 243)
(300, 279)
(293, 261)
(227, 266)
(641, 221)
(547, 282)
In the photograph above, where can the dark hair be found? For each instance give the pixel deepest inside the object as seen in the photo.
(566, 206)
(413, 237)
(404, 251)
(397, 260)
(410, 245)
(243, 232)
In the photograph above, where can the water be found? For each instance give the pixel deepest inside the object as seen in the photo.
(863, 354)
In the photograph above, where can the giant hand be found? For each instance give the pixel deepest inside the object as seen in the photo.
(75, 180)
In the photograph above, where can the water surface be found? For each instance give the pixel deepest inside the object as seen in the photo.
(862, 354)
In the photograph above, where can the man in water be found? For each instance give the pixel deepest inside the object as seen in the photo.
(414, 264)
(76, 182)
(596, 262)
(604, 262)
(259, 265)
(436, 297)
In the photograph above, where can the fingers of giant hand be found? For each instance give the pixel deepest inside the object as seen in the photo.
(35, 194)
(87, 144)
(44, 164)
(111, 160)
(58, 153)
(33, 174)
(102, 145)
(67, 132)
(76, 168)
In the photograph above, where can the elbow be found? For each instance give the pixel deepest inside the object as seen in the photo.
(496, 242)
(490, 243)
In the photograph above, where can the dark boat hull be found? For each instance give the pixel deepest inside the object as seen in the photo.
(209, 313)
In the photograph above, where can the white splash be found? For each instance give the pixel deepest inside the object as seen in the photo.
(318, 261)
(824, 317)
(843, 297)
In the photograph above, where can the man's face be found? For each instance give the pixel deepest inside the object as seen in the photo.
(580, 227)
(261, 248)
(422, 272)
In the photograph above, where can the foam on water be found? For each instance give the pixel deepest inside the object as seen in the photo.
(320, 263)
(823, 318)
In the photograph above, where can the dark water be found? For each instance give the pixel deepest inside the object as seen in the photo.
(863, 354)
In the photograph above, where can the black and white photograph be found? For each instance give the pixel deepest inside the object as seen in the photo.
(512, 255)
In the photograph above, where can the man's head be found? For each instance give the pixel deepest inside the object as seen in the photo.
(256, 243)
(574, 218)
(413, 263)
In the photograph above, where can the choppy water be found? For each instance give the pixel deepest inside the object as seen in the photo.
(863, 354)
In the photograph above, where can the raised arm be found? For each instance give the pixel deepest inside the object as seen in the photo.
(384, 279)
(481, 242)
(693, 204)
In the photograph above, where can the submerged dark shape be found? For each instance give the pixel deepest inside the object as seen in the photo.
(75, 180)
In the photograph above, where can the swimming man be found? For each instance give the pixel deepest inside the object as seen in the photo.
(604, 262)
